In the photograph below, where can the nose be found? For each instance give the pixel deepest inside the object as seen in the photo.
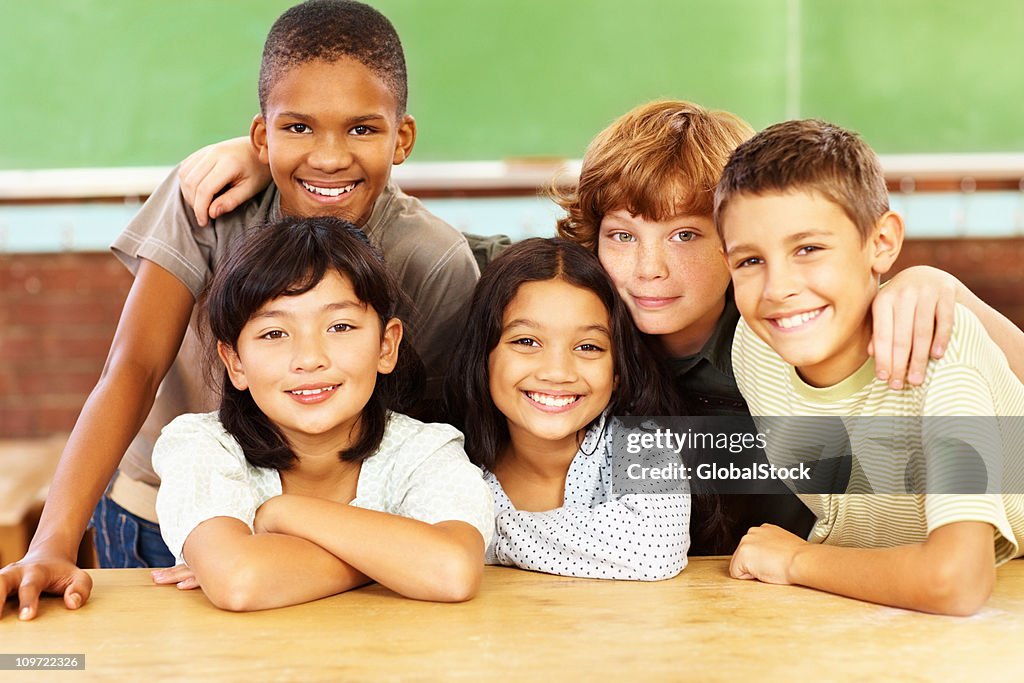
(557, 366)
(652, 261)
(331, 153)
(309, 353)
(780, 282)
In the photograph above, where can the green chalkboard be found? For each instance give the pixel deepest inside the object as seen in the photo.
(138, 82)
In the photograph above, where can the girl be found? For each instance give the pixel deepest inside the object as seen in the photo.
(306, 483)
(548, 356)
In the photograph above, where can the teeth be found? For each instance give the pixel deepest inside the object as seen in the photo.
(553, 401)
(313, 392)
(798, 319)
(328, 191)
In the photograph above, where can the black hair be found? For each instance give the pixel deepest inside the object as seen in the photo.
(328, 30)
(642, 387)
(289, 258)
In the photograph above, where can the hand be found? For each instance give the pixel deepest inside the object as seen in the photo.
(231, 167)
(913, 319)
(180, 575)
(37, 573)
(766, 553)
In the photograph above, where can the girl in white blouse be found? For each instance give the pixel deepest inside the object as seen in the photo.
(306, 482)
(549, 354)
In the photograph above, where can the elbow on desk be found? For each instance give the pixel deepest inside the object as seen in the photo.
(455, 580)
(958, 587)
(241, 591)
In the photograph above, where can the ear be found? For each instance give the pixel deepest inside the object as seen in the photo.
(390, 339)
(258, 136)
(405, 139)
(886, 242)
(233, 364)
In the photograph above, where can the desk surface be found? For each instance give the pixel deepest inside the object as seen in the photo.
(701, 625)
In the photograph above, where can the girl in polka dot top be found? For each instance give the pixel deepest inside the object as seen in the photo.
(548, 356)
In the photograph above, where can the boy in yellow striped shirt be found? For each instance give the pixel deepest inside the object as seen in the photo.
(803, 213)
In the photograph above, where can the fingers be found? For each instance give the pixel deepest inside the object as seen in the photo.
(78, 591)
(881, 338)
(10, 577)
(195, 184)
(944, 313)
(923, 329)
(241, 189)
(179, 575)
(28, 596)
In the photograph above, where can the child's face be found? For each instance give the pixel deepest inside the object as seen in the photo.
(552, 371)
(311, 361)
(330, 134)
(804, 280)
(669, 273)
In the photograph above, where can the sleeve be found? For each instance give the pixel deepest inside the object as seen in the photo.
(446, 486)
(442, 303)
(964, 455)
(638, 537)
(165, 232)
(642, 534)
(203, 475)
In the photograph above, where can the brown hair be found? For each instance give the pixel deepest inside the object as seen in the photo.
(809, 154)
(658, 160)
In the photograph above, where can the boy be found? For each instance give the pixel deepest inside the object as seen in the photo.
(332, 93)
(644, 204)
(803, 213)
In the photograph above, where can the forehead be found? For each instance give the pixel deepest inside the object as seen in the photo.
(778, 214)
(556, 304)
(343, 85)
(333, 288)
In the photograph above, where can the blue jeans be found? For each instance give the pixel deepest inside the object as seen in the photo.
(124, 540)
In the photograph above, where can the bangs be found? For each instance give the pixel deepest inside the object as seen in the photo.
(659, 198)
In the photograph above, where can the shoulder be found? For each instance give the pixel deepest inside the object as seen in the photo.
(409, 440)
(195, 437)
(751, 356)
(405, 229)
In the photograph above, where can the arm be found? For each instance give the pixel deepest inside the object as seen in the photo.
(951, 572)
(144, 346)
(241, 571)
(441, 562)
(638, 537)
(219, 177)
(913, 319)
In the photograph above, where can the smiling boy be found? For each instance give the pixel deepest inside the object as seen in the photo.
(802, 210)
(332, 122)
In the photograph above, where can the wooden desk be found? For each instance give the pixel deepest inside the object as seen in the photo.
(701, 625)
(26, 468)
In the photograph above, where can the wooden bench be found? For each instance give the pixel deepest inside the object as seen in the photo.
(26, 469)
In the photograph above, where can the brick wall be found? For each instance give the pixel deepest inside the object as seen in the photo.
(59, 312)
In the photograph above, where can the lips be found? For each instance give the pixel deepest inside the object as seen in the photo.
(653, 302)
(328, 190)
(553, 402)
(312, 393)
(794, 320)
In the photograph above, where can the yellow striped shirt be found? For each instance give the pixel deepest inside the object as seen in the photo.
(971, 380)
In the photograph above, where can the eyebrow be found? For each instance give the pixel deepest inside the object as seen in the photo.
(352, 121)
(796, 237)
(524, 322)
(326, 308)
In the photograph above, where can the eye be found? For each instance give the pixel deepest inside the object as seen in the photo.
(621, 237)
(341, 327)
(361, 130)
(524, 341)
(300, 128)
(273, 334)
(590, 348)
(684, 236)
(808, 249)
(752, 261)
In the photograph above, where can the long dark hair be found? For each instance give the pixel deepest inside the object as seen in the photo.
(642, 387)
(289, 258)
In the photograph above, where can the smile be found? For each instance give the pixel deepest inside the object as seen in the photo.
(313, 392)
(653, 302)
(552, 401)
(328, 191)
(797, 320)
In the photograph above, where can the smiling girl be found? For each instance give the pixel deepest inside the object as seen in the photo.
(548, 357)
(306, 482)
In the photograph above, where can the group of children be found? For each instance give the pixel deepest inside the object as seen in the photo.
(332, 302)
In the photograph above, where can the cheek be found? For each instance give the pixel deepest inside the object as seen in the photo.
(616, 265)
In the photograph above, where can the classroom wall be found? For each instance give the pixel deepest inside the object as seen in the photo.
(62, 311)
(123, 82)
